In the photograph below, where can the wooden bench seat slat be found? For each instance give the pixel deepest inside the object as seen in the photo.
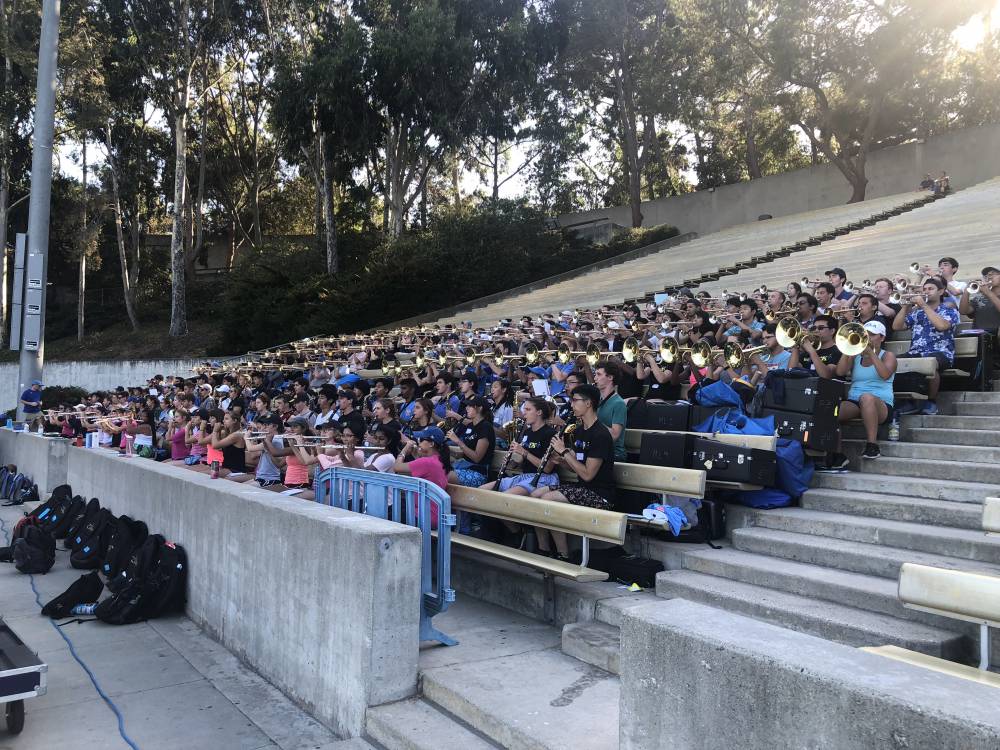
(964, 595)
(545, 564)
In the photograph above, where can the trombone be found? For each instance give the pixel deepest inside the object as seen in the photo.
(736, 356)
(565, 354)
(631, 351)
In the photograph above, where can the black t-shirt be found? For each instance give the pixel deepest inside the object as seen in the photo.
(470, 434)
(666, 391)
(596, 443)
(536, 442)
(829, 356)
(629, 387)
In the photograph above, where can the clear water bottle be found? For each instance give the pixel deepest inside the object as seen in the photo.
(894, 430)
(83, 609)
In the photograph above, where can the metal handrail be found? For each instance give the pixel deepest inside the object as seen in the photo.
(408, 500)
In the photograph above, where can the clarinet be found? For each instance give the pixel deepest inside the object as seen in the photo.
(567, 431)
(510, 451)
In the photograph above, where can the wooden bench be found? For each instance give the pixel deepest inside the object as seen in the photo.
(962, 595)
(587, 523)
(991, 515)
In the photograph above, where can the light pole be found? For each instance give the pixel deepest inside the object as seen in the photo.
(36, 264)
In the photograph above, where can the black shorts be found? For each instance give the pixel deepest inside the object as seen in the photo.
(942, 359)
(577, 495)
(888, 409)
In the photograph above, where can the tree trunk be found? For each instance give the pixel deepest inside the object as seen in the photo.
(859, 186)
(178, 287)
(199, 202)
(496, 171)
(81, 285)
(629, 141)
(127, 282)
(329, 218)
(753, 155)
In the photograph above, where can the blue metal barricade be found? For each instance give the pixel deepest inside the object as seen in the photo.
(408, 500)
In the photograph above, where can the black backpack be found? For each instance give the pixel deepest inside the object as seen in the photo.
(153, 584)
(27, 494)
(127, 536)
(57, 512)
(35, 552)
(42, 511)
(138, 565)
(90, 551)
(71, 520)
(86, 512)
(168, 582)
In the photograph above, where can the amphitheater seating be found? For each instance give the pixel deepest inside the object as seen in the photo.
(963, 595)
(963, 226)
(725, 248)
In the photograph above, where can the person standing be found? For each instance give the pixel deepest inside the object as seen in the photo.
(31, 403)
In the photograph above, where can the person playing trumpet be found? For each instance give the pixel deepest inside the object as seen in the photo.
(983, 307)
(822, 359)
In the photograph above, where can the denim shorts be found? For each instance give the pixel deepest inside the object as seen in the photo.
(524, 480)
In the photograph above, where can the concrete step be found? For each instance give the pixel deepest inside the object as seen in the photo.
(965, 544)
(952, 471)
(982, 397)
(949, 422)
(939, 435)
(857, 557)
(932, 489)
(541, 700)
(973, 409)
(415, 724)
(593, 642)
(866, 592)
(896, 507)
(932, 451)
(835, 622)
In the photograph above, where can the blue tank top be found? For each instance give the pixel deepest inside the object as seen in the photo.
(865, 379)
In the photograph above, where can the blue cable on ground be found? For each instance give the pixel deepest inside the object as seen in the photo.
(104, 696)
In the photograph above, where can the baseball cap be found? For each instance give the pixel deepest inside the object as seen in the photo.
(223, 388)
(345, 394)
(613, 324)
(36, 382)
(539, 371)
(433, 434)
(875, 326)
(990, 269)
(839, 271)
(298, 422)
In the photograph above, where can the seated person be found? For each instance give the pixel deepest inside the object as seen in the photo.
(589, 452)
(927, 183)
(870, 397)
(773, 358)
(528, 450)
(984, 307)
(476, 439)
(933, 323)
(821, 359)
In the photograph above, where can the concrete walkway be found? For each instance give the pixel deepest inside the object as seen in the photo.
(174, 686)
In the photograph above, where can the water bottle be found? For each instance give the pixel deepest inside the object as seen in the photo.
(215, 470)
(129, 445)
(83, 609)
(894, 430)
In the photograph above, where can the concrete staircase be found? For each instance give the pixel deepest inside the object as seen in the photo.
(829, 567)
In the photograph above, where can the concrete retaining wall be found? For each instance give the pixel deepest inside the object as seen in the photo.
(698, 677)
(41, 459)
(100, 374)
(322, 602)
(969, 156)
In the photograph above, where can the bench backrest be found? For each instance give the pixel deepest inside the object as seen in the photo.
(965, 346)
(605, 525)
(684, 482)
(924, 365)
(960, 594)
(991, 515)
(633, 439)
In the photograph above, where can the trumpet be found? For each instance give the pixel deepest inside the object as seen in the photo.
(974, 287)
(898, 298)
(852, 339)
(789, 334)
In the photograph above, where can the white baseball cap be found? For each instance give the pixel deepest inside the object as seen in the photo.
(875, 326)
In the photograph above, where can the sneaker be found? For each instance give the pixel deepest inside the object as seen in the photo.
(871, 451)
(839, 461)
(929, 408)
(907, 407)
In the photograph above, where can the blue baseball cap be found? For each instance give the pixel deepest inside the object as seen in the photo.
(36, 382)
(434, 434)
(539, 371)
(348, 379)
